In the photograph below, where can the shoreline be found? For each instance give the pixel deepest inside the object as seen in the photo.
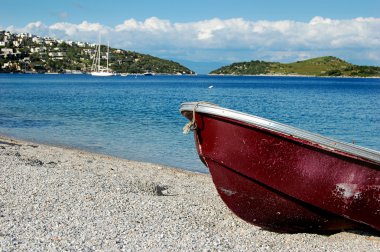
(94, 152)
(115, 74)
(297, 75)
(58, 198)
(207, 74)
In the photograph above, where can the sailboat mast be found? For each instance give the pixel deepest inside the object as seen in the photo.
(99, 53)
(108, 51)
(98, 69)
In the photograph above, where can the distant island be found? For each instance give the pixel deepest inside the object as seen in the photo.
(322, 66)
(27, 53)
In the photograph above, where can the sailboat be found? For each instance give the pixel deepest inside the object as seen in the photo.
(96, 68)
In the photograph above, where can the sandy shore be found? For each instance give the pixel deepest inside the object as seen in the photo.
(62, 199)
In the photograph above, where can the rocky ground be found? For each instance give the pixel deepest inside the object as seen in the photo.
(55, 198)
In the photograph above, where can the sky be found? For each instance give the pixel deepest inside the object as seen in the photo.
(206, 34)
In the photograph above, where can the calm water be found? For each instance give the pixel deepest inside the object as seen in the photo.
(137, 117)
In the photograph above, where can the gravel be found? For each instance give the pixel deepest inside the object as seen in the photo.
(60, 199)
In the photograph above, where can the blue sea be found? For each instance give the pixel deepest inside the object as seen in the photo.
(137, 117)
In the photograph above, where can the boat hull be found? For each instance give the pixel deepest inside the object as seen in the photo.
(284, 183)
(270, 209)
(101, 74)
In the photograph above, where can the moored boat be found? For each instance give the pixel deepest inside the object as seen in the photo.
(96, 68)
(283, 178)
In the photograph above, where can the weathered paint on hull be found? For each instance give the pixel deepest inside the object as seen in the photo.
(286, 184)
(270, 209)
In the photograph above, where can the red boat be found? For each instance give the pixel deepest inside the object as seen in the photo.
(285, 179)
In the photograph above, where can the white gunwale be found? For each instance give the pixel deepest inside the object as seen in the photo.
(329, 143)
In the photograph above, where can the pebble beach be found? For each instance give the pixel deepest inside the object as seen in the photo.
(60, 199)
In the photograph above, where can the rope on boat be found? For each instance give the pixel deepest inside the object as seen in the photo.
(190, 126)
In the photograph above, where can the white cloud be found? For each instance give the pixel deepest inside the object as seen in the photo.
(152, 24)
(34, 27)
(231, 38)
(73, 30)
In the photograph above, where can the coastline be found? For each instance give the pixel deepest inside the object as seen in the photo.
(195, 74)
(54, 198)
(298, 75)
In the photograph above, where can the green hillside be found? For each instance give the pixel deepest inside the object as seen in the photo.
(322, 66)
(29, 53)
